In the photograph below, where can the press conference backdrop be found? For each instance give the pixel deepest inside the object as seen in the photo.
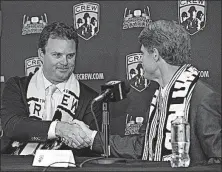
(109, 50)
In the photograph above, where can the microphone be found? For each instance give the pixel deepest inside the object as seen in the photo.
(103, 95)
(111, 91)
(114, 91)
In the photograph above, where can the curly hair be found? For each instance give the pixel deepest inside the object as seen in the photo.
(57, 30)
(170, 39)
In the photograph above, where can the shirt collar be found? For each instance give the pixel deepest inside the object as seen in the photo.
(47, 83)
(61, 86)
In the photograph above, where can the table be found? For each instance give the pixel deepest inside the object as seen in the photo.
(24, 163)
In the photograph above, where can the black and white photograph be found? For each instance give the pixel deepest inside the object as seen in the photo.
(110, 85)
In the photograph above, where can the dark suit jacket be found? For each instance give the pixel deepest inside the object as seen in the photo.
(15, 112)
(205, 124)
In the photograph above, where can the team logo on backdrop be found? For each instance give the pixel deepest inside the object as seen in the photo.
(134, 70)
(136, 18)
(32, 64)
(34, 24)
(86, 19)
(192, 15)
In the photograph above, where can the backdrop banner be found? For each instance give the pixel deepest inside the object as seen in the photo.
(108, 44)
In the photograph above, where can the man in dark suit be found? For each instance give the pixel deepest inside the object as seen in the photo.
(40, 108)
(165, 47)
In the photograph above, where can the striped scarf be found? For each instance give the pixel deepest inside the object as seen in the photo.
(65, 111)
(163, 110)
(36, 96)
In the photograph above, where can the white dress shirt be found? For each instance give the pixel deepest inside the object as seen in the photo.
(57, 96)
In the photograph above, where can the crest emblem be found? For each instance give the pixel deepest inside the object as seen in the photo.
(32, 64)
(138, 18)
(86, 19)
(134, 70)
(34, 24)
(192, 15)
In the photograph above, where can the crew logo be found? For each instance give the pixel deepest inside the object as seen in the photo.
(32, 64)
(137, 18)
(34, 24)
(135, 72)
(192, 15)
(86, 19)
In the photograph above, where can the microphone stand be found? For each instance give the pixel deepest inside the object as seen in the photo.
(105, 131)
(105, 128)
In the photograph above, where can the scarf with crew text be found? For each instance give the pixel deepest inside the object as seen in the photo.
(65, 111)
(163, 109)
(36, 97)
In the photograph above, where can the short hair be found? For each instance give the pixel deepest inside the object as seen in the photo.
(139, 66)
(132, 71)
(199, 14)
(93, 19)
(79, 20)
(86, 15)
(170, 39)
(192, 8)
(57, 30)
(184, 14)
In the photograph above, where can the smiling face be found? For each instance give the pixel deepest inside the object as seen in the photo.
(58, 60)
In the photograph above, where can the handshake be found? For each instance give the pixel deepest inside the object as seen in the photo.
(75, 134)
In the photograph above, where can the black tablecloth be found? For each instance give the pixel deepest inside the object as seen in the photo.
(24, 163)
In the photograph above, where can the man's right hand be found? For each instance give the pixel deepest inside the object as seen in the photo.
(72, 135)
